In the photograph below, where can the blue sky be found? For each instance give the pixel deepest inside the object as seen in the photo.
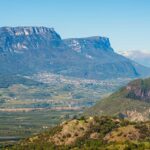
(125, 22)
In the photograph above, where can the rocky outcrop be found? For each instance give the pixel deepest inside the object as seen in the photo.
(138, 116)
(139, 89)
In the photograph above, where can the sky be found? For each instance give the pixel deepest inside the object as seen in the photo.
(125, 22)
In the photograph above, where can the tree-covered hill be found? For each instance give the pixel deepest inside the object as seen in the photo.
(92, 133)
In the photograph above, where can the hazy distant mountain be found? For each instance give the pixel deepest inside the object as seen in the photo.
(33, 49)
(142, 57)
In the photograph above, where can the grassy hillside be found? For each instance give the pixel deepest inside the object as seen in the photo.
(131, 101)
(95, 133)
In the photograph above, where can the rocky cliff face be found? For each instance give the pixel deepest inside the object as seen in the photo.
(83, 45)
(29, 49)
(33, 49)
(139, 89)
(19, 39)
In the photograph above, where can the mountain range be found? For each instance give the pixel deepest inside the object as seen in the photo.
(142, 57)
(27, 50)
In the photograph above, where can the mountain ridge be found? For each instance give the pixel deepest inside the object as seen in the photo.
(131, 101)
(26, 50)
(90, 133)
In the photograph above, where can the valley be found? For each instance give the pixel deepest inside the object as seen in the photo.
(26, 109)
(74, 74)
(55, 91)
(102, 126)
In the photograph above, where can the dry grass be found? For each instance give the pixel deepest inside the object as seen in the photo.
(123, 134)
